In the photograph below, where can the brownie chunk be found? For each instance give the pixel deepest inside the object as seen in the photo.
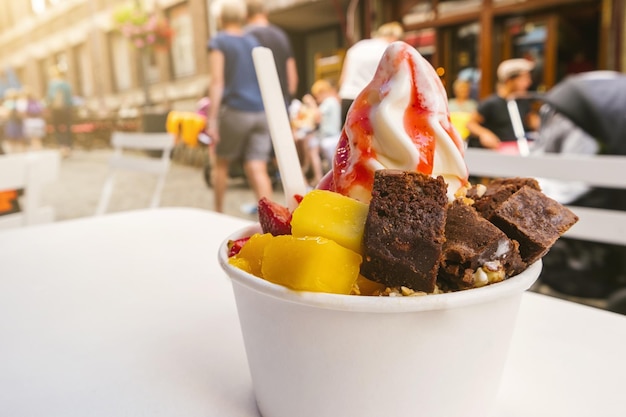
(497, 191)
(475, 252)
(404, 230)
(533, 219)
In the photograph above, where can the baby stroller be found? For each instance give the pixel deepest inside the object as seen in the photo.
(586, 114)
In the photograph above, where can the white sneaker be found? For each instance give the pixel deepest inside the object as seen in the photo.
(249, 208)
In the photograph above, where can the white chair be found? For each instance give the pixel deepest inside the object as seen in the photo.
(122, 160)
(29, 172)
(595, 224)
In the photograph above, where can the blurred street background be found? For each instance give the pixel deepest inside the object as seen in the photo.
(119, 82)
(112, 72)
(125, 65)
(129, 63)
(76, 192)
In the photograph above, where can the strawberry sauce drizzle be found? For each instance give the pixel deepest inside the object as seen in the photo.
(350, 171)
(344, 175)
(417, 125)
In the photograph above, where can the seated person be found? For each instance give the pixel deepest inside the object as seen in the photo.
(492, 123)
(328, 118)
(461, 106)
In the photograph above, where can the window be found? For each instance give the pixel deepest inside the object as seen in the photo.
(120, 54)
(423, 40)
(43, 73)
(421, 12)
(60, 61)
(459, 56)
(85, 71)
(40, 6)
(152, 66)
(6, 16)
(182, 49)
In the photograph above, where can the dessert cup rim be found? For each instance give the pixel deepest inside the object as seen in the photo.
(515, 285)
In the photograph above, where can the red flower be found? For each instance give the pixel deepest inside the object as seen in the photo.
(143, 29)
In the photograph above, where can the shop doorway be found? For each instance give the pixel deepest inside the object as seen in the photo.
(460, 57)
(579, 46)
(535, 39)
(560, 44)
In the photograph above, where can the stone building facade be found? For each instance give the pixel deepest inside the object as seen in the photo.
(79, 36)
(105, 69)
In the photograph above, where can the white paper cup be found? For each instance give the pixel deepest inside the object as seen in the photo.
(328, 355)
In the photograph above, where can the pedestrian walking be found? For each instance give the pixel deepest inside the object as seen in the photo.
(461, 106)
(59, 99)
(236, 120)
(328, 117)
(13, 122)
(34, 123)
(274, 38)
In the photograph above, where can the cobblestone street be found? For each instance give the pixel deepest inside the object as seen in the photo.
(77, 190)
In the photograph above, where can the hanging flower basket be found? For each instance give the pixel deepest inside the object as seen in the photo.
(143, 29)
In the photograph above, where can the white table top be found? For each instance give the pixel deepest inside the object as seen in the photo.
(130, 315)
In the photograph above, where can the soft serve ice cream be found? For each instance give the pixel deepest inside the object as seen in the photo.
(399, 121)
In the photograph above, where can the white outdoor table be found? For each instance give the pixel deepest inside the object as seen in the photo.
(130, 315)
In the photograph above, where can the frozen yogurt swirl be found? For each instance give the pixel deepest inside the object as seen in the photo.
(399, 121)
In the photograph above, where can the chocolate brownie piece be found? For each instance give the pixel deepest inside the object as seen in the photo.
(475, 252)
(488, 198)
(533, 219)
(404, 230)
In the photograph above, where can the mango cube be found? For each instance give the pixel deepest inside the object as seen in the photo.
(310, 264)
(241, 263)
(331, 215)
(368, 287)
(250, 257)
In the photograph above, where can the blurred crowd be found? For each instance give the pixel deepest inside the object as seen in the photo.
(25, 118)
(22, 120)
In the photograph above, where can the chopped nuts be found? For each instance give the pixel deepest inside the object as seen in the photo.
(480, 189)
(489, 273)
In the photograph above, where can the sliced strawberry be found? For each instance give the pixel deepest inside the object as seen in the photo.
(274, 218)
(234, 246)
